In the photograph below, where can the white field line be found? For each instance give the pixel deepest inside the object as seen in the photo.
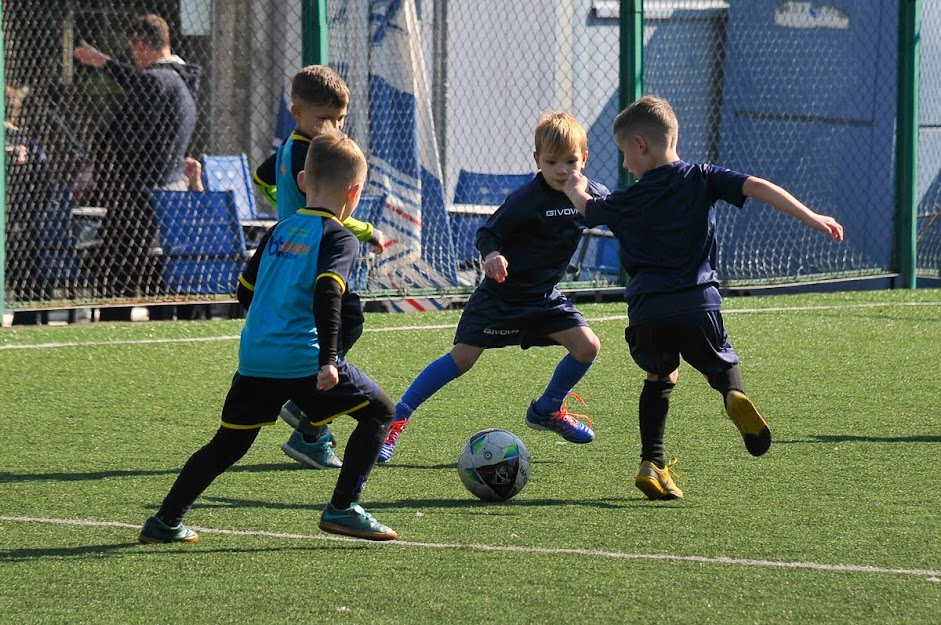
(451, 326)
(930, 575)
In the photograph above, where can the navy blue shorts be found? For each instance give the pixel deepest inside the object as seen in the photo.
(254, 402)
(489, 321)
(700, 339)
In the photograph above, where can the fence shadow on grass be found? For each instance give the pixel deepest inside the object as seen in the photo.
(852, 438)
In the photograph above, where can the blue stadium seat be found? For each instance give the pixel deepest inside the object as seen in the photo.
(476, 197)
(59, 262)
(230, 172)
(203, 247)
(597, 256)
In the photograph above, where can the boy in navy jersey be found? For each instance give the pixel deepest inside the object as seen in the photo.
(666, 227)
(526, 246)
(319, 102)
(290, 349)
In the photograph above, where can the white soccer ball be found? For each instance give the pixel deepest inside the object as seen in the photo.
(494, 465)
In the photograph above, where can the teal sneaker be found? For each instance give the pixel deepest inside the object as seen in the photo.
(356, 522)
(156, 531)
(292, 415)
(318, 455)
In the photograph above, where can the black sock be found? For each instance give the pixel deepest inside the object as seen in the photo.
(208, 463)
(726, 381)
(362, 449)
(654, 405)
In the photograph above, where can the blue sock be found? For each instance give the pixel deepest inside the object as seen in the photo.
(567, 374)
(432, 378)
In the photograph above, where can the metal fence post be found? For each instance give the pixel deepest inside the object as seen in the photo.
(3, 180)
(632, 63)
(314, 28)
(906, 161)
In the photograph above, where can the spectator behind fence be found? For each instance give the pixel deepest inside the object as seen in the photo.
(28, 193)
(143, 149)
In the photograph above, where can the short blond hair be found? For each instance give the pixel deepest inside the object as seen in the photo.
(318, 85)
(559, 131)
(650, 116)
(334, 161)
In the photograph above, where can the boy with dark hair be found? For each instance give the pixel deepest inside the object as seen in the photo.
(319, 102)
(666, 227)
(526, 246)
(290, 349)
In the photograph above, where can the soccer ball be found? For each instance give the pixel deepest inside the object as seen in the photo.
(494, 465)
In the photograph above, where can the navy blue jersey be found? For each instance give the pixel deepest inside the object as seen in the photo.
(666, 227)
(537, 229)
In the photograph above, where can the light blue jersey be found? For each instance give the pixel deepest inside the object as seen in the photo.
(279, 339)
(290, 198)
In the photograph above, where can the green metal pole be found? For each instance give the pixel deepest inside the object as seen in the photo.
(906, 162)
(632, 63)
(315, 48)
(3, 181)
(631, 73)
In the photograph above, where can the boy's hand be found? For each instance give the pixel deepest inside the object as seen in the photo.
(576, 188)
(827, 224)
(327, 378)
(495, 266)
(381, 241)
(576, 184)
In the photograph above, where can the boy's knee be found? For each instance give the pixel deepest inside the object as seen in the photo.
(587, 349)
(380, 409)
(669, 378)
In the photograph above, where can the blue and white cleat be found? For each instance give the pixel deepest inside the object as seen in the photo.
(564, 423)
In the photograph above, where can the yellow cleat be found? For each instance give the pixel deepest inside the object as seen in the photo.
(657, 483)
(745, 416)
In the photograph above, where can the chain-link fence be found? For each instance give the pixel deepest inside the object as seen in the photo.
(444, 98)
(929, 142)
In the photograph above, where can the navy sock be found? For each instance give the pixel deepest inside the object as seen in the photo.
(432, 379)
(567, 374)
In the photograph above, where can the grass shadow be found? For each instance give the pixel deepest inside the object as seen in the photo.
(442, 504)
(9, 477)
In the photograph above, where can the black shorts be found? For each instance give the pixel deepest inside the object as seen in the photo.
(254, 402)
(489, 321)
(700, 339)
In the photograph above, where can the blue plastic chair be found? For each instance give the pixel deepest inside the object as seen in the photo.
(59, 262)
(231, 173)
(476, 197)
(203, 247)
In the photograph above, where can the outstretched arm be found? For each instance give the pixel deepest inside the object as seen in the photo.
(772, 194)
(576, 188)
(87, 54)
